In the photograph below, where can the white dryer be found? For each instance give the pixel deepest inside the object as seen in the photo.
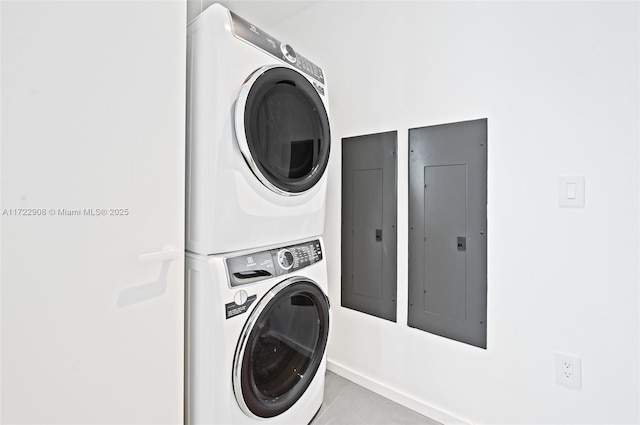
(258, 137)
(257, 328)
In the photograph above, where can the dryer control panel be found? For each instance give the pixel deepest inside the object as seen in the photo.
(261, 265)
(283, 51)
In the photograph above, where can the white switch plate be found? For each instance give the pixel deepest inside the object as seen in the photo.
(571, 192)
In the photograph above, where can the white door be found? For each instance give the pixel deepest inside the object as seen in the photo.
(92, 201)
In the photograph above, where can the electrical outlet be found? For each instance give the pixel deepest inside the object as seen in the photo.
(569, 371)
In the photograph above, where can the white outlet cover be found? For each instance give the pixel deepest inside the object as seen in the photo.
(571, 192)
(569, 371)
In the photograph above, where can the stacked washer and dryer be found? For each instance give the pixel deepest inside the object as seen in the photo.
(258, 143)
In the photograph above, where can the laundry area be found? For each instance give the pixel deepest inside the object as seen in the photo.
(319, 212)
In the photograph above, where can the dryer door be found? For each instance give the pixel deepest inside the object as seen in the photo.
(282, 129)
(281, 348)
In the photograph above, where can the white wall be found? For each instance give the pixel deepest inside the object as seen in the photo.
(558, 82)
(93, 111)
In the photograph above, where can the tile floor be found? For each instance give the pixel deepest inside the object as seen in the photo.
(346, 403)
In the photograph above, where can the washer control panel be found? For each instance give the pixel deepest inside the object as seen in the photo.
(261, 265)
(283, 51)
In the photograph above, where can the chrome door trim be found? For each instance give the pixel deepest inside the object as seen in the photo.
(246, 331)
(241, 135)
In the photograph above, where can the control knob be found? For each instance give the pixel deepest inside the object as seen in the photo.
(285, 259)
(288, 52)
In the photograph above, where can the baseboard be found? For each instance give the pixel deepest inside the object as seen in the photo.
(396, 395)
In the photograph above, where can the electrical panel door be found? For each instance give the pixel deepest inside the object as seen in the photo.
(369, 224)
(448, 230)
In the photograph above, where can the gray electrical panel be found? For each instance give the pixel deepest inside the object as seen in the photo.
(369, 234)
(448, 230)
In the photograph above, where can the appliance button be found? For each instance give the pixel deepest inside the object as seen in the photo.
(240, 297)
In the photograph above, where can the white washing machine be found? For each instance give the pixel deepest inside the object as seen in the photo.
(258, 137)
(257, 328)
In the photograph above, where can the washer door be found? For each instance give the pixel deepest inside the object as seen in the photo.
(281, 348)
(282, 129)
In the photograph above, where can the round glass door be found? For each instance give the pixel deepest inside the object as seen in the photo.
(283, 129)
(281, 348)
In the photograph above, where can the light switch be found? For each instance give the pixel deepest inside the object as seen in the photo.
(572, 192)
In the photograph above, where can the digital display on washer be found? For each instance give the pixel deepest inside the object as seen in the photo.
(257, 266)
(296, 257)
(254, 35)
